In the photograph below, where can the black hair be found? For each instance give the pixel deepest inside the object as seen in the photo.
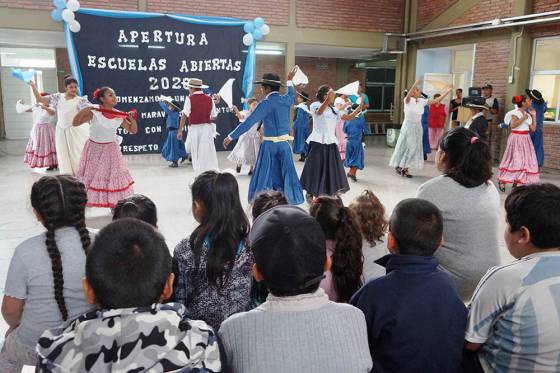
(519, 100)
(61, 202)
(266, 200)
(467, 161)
(136, 206)
(459, 89)
(536, 207)
(69, 79)
(322, 93)
(224, 224)
(128, 265)
(251, 100)
(340, 224)
(272, 87)
(417, 226)
(98, 94)
(304, 95)
(437, 95)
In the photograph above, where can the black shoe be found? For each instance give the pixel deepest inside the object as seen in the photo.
(398, 170)
(502, 187)
(184, 159)
(238, 169)
(250, 173)
(353, 177)
(405, 173)
(52, 168)
(174, 165)
(425, 157)
(302, 158)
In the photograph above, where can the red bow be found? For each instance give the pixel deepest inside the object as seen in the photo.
(96, 92)
(518, 99)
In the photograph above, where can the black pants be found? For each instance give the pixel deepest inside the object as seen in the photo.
(471, 363)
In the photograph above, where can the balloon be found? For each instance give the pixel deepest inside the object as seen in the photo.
(68, 15)
(59, 4)
(56, 15)
(259, 22)
(248, 39)
(257, 34)
(265, 29)
(248, 27)
(73, 5)
(74, 26)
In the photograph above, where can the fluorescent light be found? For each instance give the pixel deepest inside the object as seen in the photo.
(269, 52)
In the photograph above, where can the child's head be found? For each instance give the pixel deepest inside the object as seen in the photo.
(415, 228)
(289, 250)
(60, 201)
(266, 200)
(252, 103)
(340, 224)
(533, 219)
(436, 96)
(371, 216)
(464, 157)
(217, 207)
(70, 85)
(137, 206)
(174, 105)
(129, 265)
(522, 101)
(302, 97)
(105, 96)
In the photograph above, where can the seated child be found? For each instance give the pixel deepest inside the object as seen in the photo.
(416, 320)
(514, 316)
(136, 206)
(129, 278)
(373, 223)
(263, 201)
(297, 329)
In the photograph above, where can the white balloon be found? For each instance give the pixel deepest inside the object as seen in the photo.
(265, 29)
(75, 26)
(248, 39)
(73, 5)
(68, 15)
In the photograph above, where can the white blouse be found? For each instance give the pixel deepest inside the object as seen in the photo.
(414, 109)
(518, 113)
(66, 109)
(103, 129)
(42, 116)
(324, 125)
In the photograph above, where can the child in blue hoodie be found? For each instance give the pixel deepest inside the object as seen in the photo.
(355, 130)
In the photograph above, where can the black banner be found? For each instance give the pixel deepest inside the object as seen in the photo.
(142, 57)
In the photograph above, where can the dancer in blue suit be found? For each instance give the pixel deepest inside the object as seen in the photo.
(355, 130)
(275, 166)
(173, 149)
(301, 126)
(540, 107)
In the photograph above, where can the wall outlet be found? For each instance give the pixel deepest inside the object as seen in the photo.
(510, 79)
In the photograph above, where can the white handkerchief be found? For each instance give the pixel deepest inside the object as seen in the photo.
(22, 108)
(350, 89)
(300, 77)
(28, 369)
(226, 92)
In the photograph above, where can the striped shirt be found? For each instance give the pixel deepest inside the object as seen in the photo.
(515, 313)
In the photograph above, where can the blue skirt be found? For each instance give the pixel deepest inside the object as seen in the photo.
(173, 149)
(299, 145)
(426, 138)
(538, 143)
(275, 170)
(354, 154)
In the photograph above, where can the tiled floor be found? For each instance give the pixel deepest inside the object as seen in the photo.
(169, 188)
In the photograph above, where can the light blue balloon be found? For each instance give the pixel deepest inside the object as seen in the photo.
(248, 27)
(59, 4)
(257, 34)
(259, 22)
(56, 15)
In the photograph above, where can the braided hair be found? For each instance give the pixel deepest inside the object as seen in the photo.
(60, 201)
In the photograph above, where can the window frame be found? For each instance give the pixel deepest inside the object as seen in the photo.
(382, 85)
(533, 73)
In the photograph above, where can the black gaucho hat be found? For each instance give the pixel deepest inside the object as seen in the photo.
(535, 95)
(270, 79)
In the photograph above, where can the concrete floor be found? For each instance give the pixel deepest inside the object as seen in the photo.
(169, 189)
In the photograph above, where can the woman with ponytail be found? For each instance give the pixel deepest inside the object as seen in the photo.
(470, 204)
(344, 247)
(213, 266)
(70, 141)
(103, 169)
(44, 284)
(323, 173)
(519, 163)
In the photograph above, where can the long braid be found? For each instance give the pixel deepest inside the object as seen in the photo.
(60, 201)
(56, 264)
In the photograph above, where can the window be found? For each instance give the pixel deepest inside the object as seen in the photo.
(380, 88)
(27, 57)
(545, 74)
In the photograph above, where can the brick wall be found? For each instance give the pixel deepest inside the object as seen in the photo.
(274, 12)
(541, 6)
(428, 10)
(62, 67)
(355, 15)
(486, 10)
(552, 146)
(48, 5)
